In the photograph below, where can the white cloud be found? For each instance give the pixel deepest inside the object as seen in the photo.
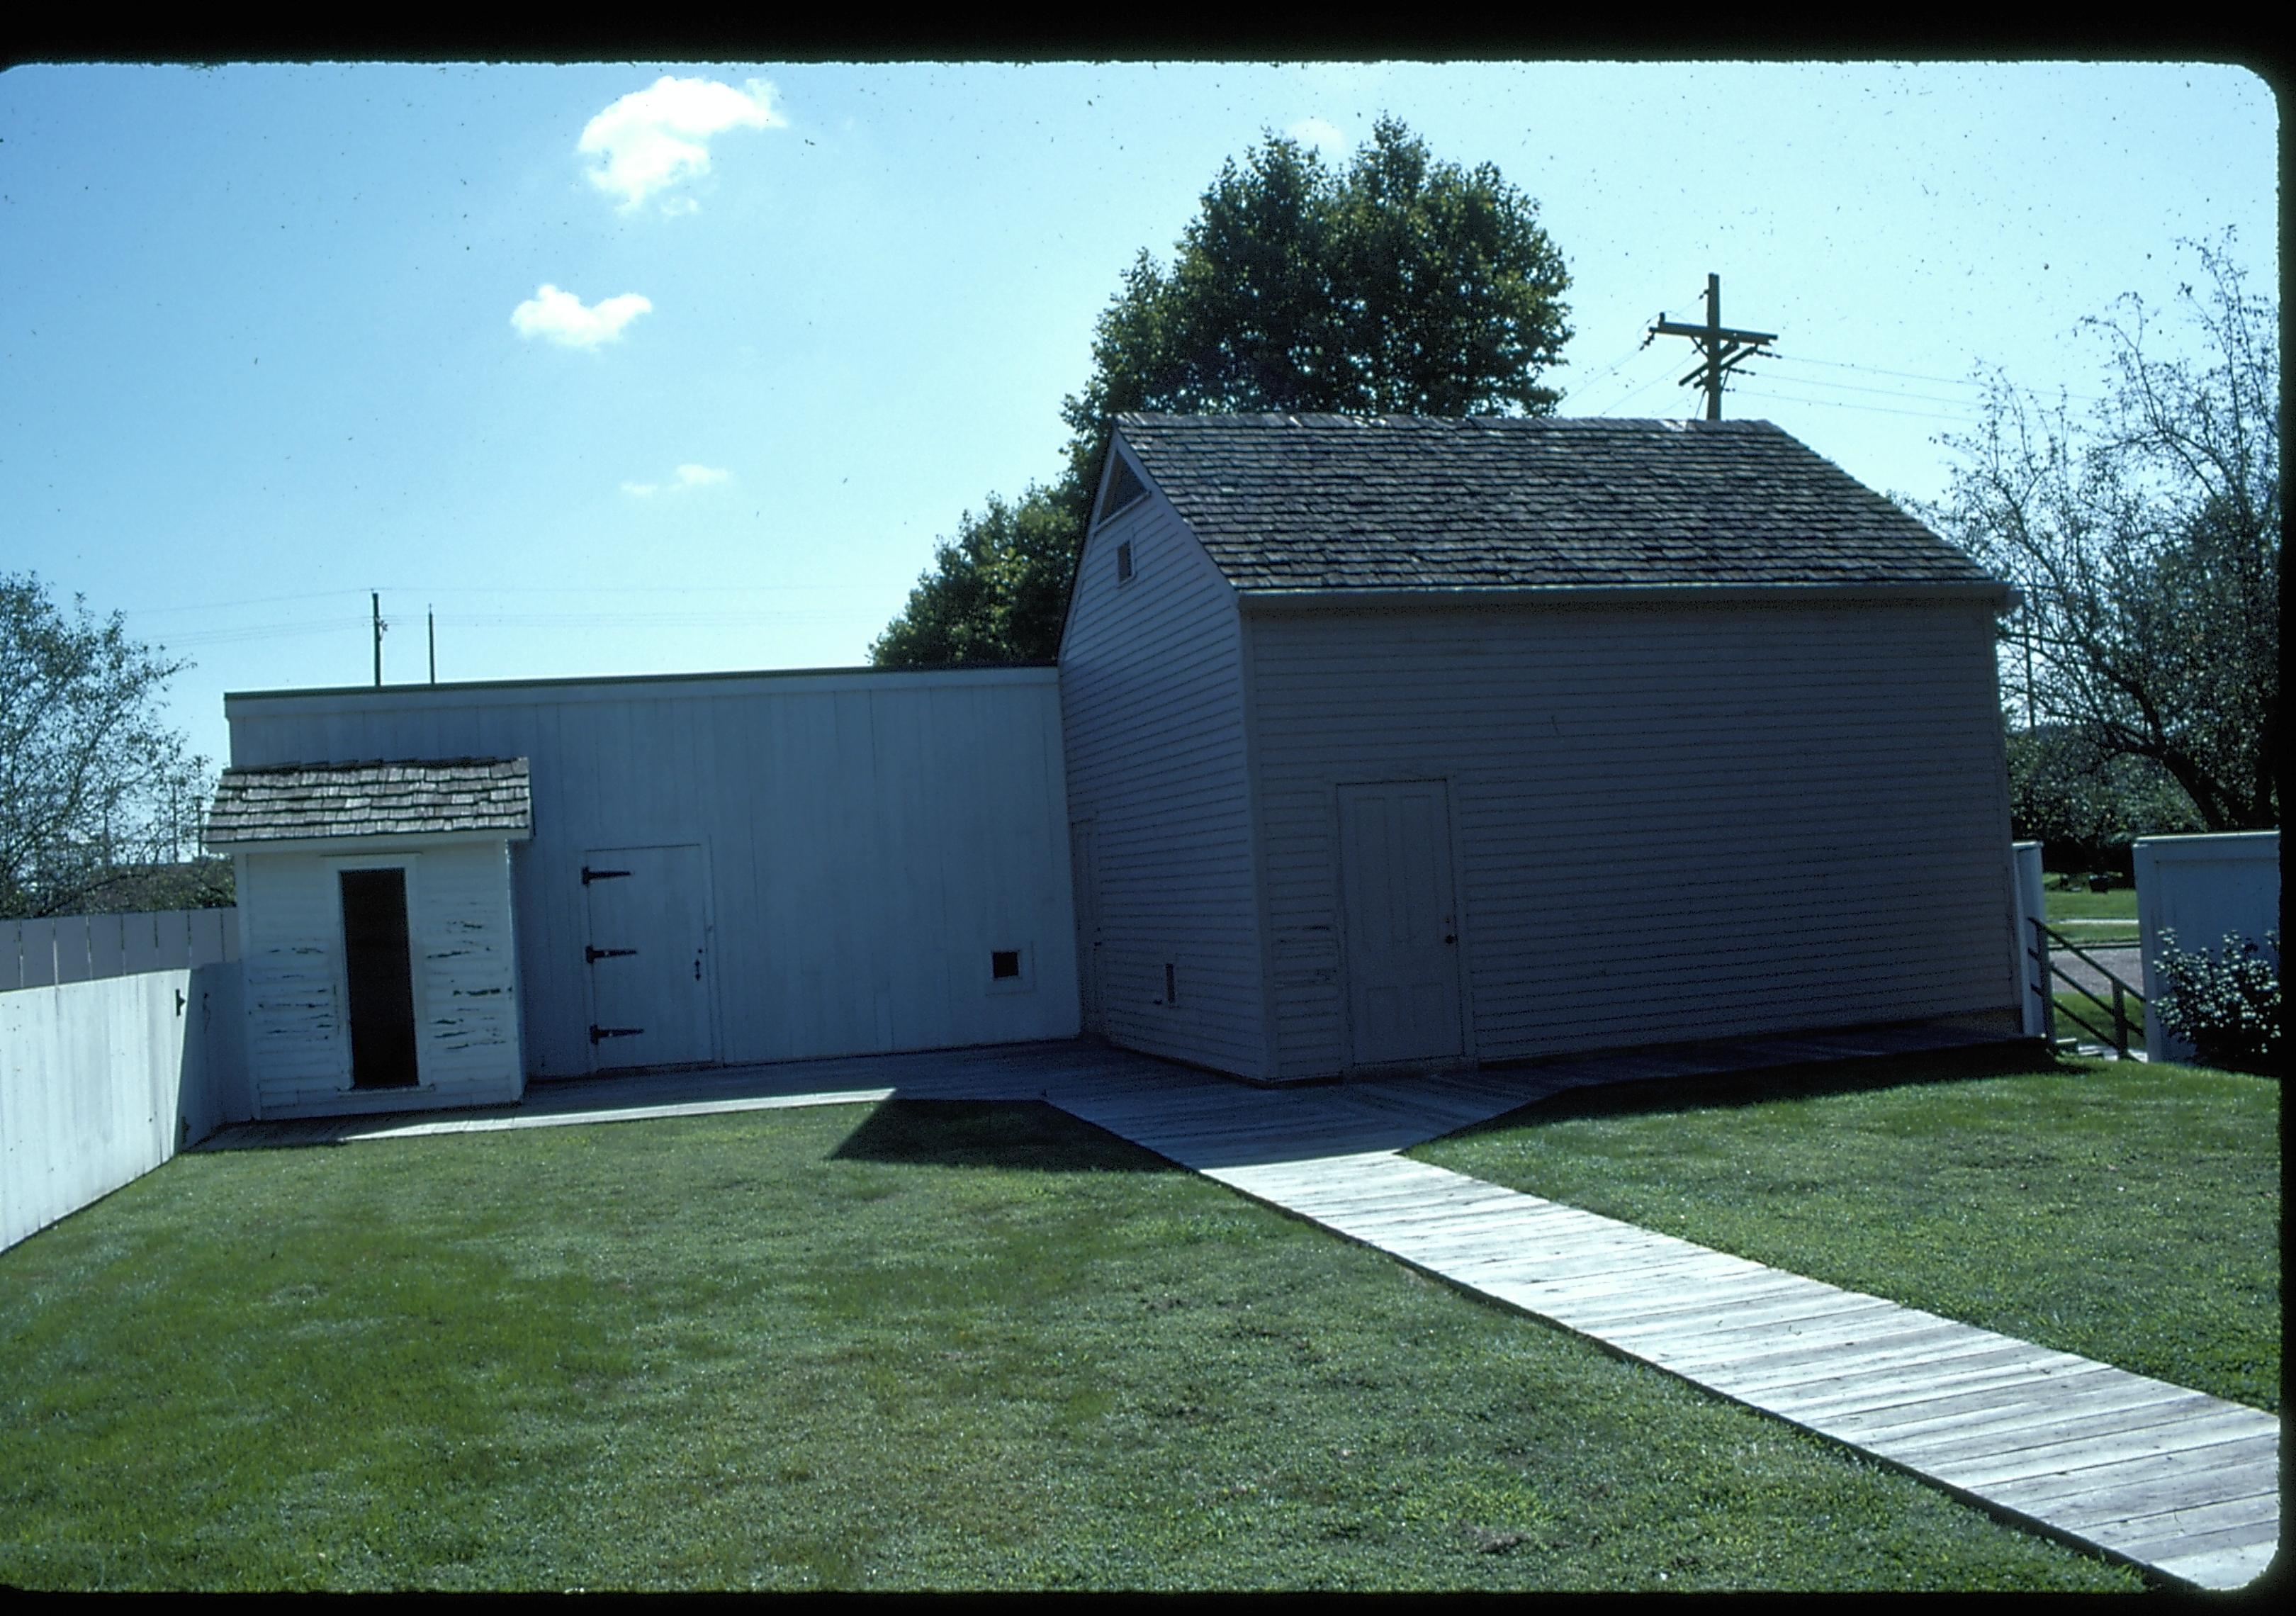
(562, 318)
(1319, 133)
(689, 476)
(656, 137)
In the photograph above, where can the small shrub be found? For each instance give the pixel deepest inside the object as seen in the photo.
(2226, 1004)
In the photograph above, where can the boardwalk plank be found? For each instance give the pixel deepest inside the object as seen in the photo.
(2079, 1454)
(2045, 1427)
(2016, 1407)
(2214, 1568)
(2129, 1519)
(2013, 1362)
(2153, 1480)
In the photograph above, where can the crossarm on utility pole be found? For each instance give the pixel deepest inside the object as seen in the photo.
(1721, 348)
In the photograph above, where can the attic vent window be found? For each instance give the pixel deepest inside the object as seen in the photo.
(1124, 563)
(1004, 962)
(1124, 487)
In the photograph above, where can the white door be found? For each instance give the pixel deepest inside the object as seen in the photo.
(648, 957)
(1402, 925)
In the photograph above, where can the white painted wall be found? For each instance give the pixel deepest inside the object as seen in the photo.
(101, 1081)
(871, 836)
(459, 928)
(1670, 821)
(2202, 889)
(1152, 699)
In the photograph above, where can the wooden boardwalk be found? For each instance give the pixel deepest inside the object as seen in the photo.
(2172, 1480)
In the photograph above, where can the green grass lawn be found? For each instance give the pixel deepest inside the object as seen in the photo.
(2119, 903)
(946, 1346)
(2128, 1212)
(2091, 917)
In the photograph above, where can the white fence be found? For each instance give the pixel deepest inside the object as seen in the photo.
(89, 948)
(2202, 889)
(2032, 961)
(102, 1081)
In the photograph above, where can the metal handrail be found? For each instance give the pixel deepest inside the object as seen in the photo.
(2045, 935)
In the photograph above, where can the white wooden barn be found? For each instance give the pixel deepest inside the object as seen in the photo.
(1407, 742)
(720, 869)
(1372, 743)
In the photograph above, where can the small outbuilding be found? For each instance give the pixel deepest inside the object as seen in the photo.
(376, 933)
(1406, 741)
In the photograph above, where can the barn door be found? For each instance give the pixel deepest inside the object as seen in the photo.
(1084, 879)
(1402, 925)
(648, 957)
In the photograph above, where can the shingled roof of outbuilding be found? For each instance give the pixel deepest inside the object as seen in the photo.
(1407, 503)
(420, 797)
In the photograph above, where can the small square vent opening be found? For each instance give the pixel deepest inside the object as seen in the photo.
(1004, 964)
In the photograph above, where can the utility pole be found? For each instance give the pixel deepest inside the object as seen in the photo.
(430, 616)
(1722, 348)
(375, 601)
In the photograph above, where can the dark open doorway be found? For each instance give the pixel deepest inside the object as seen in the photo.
(381, 978)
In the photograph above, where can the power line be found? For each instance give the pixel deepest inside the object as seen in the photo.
(1876, 370)
(1886, 392)
(714, 591)
(1844, 403)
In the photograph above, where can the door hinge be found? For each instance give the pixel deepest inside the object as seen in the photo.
(598, 1033)
(589, 874)
(591, 956)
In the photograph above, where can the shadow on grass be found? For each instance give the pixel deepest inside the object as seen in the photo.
(1026, 1136)
(1760, 1085)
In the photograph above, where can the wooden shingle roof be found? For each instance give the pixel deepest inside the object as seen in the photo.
(1406, 503)
(301, 801)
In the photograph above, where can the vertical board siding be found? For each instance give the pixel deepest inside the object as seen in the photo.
(1151, 695)
(166, 940)
(1670, 823)
(870, 838)
(101, 1081)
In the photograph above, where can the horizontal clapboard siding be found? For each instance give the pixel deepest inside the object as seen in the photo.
(466, 1015)
(1152, 706)
(1671, 823)
(871, 837)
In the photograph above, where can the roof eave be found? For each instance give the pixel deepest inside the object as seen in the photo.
(2001, 596)
(361, 843)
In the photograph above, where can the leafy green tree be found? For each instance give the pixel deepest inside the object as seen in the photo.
(1401, 285)
(2147, 542)
(997, 591)
(94, 790)
(2086, 807)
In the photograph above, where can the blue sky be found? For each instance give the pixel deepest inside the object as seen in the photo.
(264, 348)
